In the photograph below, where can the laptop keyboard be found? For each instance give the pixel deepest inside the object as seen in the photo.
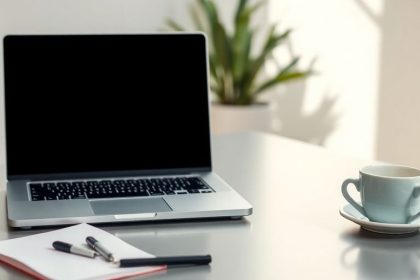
(91, 189)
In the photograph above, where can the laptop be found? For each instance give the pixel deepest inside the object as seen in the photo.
(110, 128)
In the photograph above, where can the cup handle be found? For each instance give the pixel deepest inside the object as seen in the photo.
(347, 196)
(415, 195)
(416, 191)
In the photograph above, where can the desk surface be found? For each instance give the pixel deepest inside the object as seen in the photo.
(295, 232)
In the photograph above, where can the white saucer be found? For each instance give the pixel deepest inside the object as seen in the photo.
(350, 213)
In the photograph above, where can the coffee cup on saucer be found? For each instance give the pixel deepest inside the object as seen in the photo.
(389, 193)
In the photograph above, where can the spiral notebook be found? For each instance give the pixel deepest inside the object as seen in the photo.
(35, 255)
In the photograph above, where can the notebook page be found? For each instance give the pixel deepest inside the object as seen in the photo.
(36, 252)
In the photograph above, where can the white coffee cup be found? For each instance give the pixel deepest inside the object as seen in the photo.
(389, 193)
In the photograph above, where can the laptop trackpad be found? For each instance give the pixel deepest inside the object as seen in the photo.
(129, 206)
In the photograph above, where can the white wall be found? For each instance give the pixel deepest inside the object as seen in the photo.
(399, 102)
(368, 56)
(338, 107)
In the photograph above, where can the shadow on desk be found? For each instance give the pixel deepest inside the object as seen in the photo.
(180, 238)
(181, 273)
(381, 256)
(199, 224)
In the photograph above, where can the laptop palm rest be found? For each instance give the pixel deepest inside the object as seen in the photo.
(129, 206)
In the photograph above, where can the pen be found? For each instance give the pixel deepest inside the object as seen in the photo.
(98, 247)
(197, 260)
(68, 248)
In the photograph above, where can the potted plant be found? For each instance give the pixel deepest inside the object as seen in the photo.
(235, 72)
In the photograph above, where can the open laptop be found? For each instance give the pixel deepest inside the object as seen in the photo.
(110, 128)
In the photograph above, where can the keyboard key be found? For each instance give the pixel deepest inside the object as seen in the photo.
(193, 191)
(156, 193)
(169, 192)
(36, 185)
(93, 189)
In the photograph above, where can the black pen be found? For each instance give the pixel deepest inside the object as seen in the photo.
(69, 248)
(180, 260)
(98, 247)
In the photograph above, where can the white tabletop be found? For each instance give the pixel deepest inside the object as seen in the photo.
(295, 232)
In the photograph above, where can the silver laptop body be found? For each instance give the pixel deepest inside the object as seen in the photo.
(110, 128)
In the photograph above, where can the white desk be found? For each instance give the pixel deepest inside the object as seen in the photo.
(295, 232)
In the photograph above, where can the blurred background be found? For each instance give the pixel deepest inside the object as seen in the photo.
(363, 100)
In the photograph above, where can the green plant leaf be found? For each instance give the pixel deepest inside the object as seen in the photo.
(174, 25)
(242, 44)
(244, 13)
(222, 47)
(272, 41)
(286, 74)
(221, 44)
(233, 69)
(217, 81)
(211, 11)
(281, 79)
(197, 19)
(241, 54)
(289, 67)
(213, 69)
(239, 9)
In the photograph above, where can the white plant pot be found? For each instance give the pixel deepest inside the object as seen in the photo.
(231, 118)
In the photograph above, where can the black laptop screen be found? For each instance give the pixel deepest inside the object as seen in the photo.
(98, 103)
